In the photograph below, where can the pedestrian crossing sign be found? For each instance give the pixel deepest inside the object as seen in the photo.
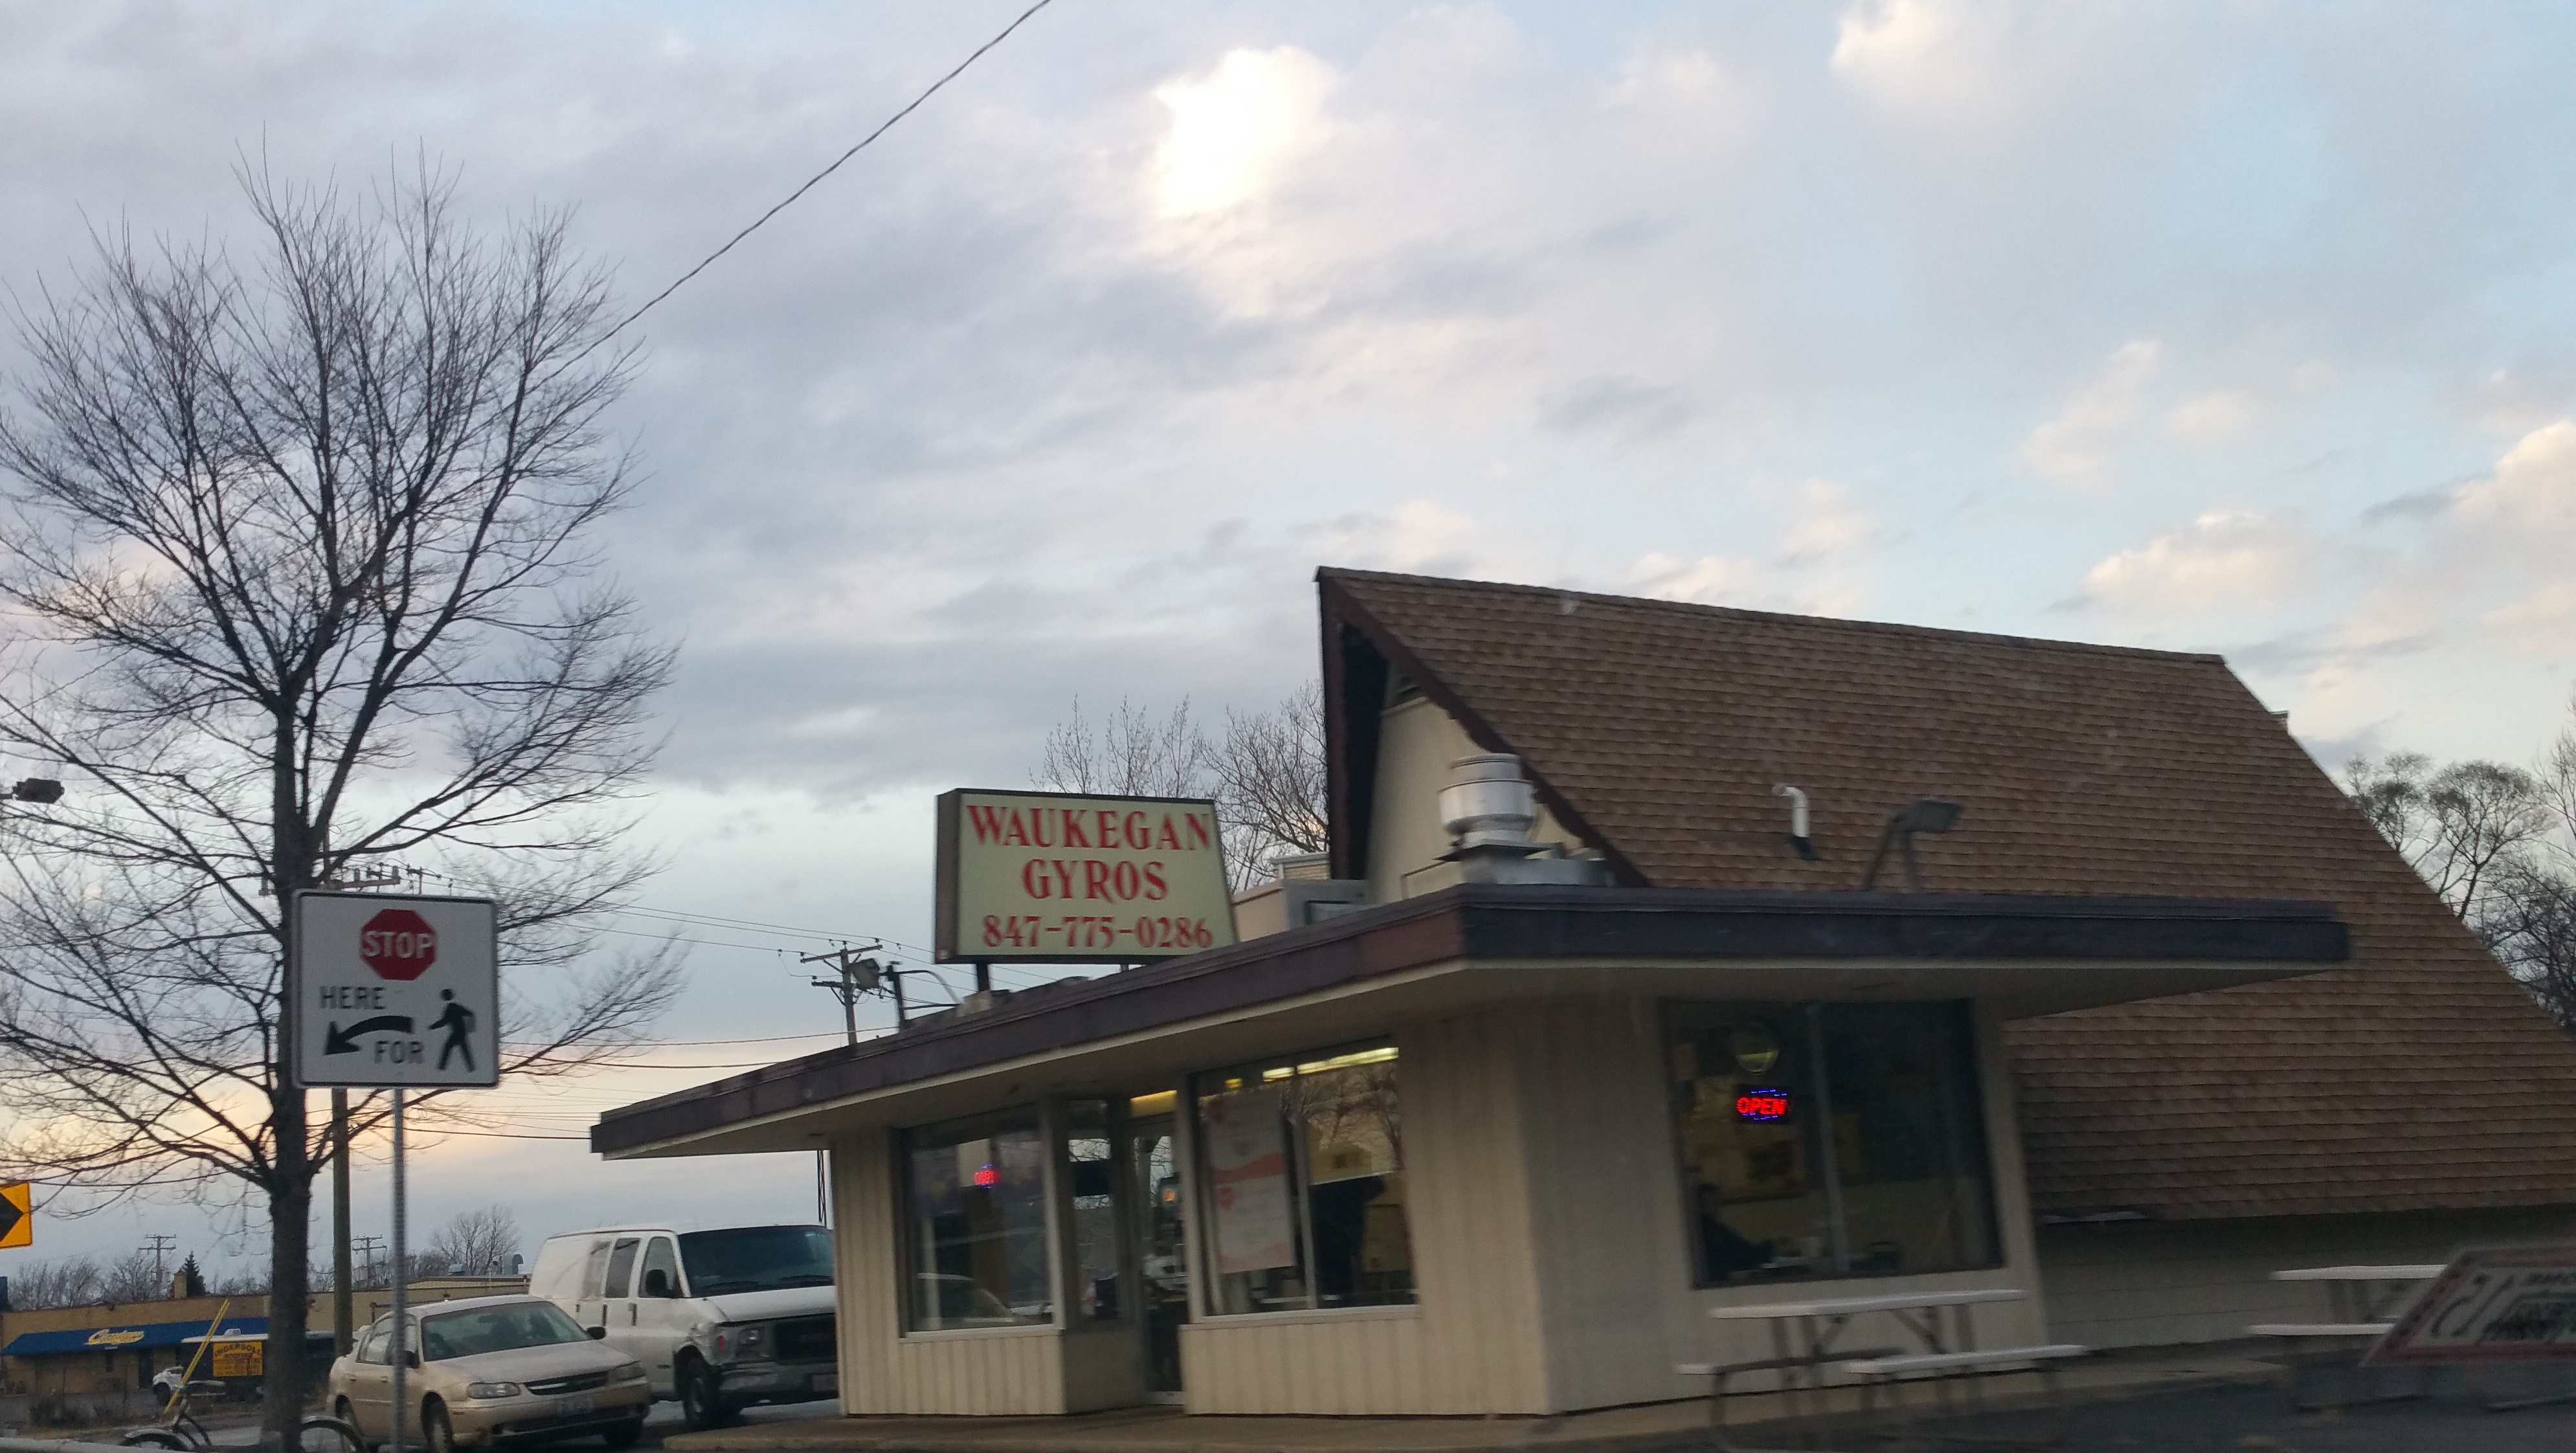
(393, 992)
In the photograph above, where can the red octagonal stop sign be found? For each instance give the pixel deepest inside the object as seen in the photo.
(398, 944)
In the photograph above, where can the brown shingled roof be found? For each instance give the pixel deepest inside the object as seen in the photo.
(2418, 1076)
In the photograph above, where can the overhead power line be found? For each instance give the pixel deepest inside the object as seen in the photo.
(811, 182)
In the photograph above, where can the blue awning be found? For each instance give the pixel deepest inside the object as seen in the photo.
(117, 1339)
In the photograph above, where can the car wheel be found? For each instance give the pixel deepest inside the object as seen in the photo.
(702, 1403)
(435, 1430)
(624, 1435)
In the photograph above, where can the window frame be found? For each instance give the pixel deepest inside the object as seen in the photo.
(1960, 1018)
(1052, 1194)
(1199, 1222)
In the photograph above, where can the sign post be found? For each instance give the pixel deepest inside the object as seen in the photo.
(394, 993)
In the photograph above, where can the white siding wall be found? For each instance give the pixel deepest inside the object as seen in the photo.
(1472, 1343)
(2145, 1283)
(1615, 1273)
(1417, 742)
(1010, 1371)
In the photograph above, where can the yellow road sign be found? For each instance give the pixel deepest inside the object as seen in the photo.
(17, 1217)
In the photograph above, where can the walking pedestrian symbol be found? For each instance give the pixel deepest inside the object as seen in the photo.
(458, 1021)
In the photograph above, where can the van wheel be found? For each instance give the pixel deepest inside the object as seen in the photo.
(702, 1403)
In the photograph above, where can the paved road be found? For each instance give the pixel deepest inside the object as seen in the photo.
(2235, 1419)
(666, 1418)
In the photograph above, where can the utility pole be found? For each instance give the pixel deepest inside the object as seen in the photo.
(858, 975)
(367, 1245)
(160, 1244)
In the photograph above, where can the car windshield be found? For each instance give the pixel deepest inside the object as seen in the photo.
(756, 1259)
(495, 1329)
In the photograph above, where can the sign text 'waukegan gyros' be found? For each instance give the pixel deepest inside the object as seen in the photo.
(1054, 878)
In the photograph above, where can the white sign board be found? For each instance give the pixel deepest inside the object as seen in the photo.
(394, 992)
(1050, 877)
(2490, 1306)
(1247, 1149)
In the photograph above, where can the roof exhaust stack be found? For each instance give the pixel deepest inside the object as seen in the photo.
(1798, 838)
(1923, 814)
(1488, 809)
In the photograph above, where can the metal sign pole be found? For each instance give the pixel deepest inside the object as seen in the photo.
(401, 1353)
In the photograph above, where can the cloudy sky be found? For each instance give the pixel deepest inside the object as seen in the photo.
(2235, 326)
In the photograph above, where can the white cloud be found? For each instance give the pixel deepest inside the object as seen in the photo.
(1907, 46)
(2212, 418)
(1235, 128)
(2226, 556)
(2076, 447)
(2530, 498)
(1829, 522)
(1709, 580)
(2542, 623)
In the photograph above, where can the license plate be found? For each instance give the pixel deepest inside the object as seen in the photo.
(574, 1407)
(826, 1382)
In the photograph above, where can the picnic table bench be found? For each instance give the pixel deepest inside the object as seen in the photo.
(1820, 1323)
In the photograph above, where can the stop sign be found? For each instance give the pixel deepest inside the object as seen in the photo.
(398, 944)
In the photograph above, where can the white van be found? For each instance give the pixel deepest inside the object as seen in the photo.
(720, 1319)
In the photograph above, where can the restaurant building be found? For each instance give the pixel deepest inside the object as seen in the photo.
(1665, 957)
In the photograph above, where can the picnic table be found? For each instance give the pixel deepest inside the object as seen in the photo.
(2367, 1301)
(1820, 1323)
(2363, 1301)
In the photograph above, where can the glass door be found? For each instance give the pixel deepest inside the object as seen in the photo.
(1162, 1271)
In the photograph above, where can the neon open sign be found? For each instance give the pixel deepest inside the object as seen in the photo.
(987, 1177)
(1761, 1102)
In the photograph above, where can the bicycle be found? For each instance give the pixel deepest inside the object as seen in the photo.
(180, 1432)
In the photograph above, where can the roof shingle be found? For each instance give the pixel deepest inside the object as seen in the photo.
(2418, 1076)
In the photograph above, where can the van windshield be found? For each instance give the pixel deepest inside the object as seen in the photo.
(756, 1259)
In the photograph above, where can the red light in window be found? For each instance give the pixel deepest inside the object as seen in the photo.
(1760, 1102)
(988, 1177)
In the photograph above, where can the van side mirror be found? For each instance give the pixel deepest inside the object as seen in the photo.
(598, 1332)
(410, 1358)
(657, 1283)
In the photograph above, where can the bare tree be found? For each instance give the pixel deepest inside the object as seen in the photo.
(300, 568)
(2498, 843)
(1266, 775)
(1270, 775)
(476, 1243)
(132, 1277)
(2463, 826)
(69, 1283)
(1129, 754)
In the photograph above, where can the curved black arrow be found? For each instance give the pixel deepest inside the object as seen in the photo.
(336, 1040)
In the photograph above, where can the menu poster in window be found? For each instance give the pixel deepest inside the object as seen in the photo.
(1248, 1182)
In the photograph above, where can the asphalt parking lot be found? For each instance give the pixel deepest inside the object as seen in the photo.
(2234, 1419)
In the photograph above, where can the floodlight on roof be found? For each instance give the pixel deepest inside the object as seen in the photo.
(1923, 814)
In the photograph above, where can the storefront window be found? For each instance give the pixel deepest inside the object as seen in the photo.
(1830, 1140)
(1302, 1163)
(975, 1208)
(1091, 1177)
